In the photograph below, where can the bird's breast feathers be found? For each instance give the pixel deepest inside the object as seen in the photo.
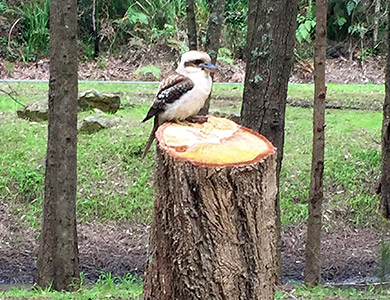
(190, 102)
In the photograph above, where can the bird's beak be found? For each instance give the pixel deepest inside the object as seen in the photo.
(209, 67)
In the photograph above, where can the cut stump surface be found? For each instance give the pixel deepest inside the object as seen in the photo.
(217, 142)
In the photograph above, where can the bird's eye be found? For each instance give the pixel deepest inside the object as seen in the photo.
(198, 61)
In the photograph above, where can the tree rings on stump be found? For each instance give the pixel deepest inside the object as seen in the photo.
(213, 234)
(217, 142)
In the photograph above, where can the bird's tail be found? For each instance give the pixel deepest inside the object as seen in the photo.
(151, 137)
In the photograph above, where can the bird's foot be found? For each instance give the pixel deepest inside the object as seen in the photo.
(182, 123)
(197, 119)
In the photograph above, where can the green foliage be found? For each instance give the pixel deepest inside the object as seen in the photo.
(149, 69)
(202, 12)
(162, 18)
(3, 7)
(136, 17)
(29, 182)
(102, 63)
(236, 16)
(352, 20)
(121, 21)
(225, 55)
(35, 23)
(306, 27)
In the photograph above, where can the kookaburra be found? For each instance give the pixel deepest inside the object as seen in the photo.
(183, 93)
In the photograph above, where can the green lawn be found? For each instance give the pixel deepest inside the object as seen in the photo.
(115, 184)
(107, 287)
(130, 288)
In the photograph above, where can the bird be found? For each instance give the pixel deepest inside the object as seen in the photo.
(182, 93)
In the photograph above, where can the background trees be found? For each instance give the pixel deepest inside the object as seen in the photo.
(358, 25)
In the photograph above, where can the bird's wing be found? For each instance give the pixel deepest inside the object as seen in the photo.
(170, 90)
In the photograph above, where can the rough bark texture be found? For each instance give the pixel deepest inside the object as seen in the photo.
(269, 56)
(213, 234)
(314, 222)
(191, 25)
(213, 36)
(385, 189)
(58, 262)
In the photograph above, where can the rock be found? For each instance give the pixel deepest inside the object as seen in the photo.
(93, 124)
(36, 111)
(106, 102)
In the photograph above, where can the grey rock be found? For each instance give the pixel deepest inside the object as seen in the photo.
(36, 111)
(93, 124)
(106, 102)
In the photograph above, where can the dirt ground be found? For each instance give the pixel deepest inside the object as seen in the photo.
(349, 254)
(338, 70)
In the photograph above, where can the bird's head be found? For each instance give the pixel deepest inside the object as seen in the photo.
(195, 61)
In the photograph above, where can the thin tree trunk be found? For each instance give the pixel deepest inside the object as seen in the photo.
(191, 25)
(95, 28)
(314, 223)
(269, 57)
(376, 22)
(58, 262)
(213, 234)
(385, 189)
(213, 36)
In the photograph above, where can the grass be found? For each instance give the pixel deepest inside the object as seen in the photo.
(301, 292)
(114, 184)
(352, 164)
(130, 288)
(107, 287)
(368, 96)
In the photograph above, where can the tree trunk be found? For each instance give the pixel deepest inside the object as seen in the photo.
(385, 189)
(269, 57)
(58, 262)
(314, 222)
(191, 25)
(213, 234)
(213, 36)
(95, 28)
(376, 22)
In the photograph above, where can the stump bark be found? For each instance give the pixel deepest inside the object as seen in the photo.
(213, 234)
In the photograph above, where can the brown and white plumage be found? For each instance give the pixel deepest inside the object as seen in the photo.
(183, 93)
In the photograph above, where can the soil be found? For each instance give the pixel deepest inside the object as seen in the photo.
(338, 70)
(349, 254)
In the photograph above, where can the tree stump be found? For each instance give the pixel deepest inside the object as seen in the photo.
(213, 234)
